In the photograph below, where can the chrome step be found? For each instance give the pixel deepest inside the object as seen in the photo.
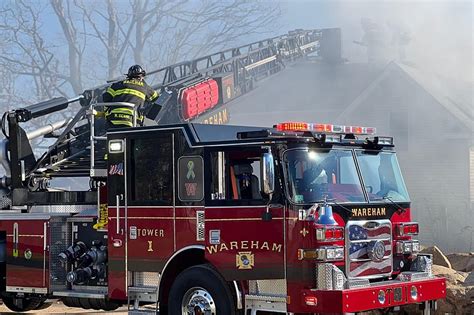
(142, 312)
(140, 294)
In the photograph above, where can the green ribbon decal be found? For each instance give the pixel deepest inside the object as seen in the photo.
(190, 173)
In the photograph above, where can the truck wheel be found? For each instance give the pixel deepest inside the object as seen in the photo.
(22, 304)
(67, 301)
(95, 304)
(108, 305)
(200, 290)
(84, 303)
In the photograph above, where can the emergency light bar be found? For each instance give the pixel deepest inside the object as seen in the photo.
(329, 128)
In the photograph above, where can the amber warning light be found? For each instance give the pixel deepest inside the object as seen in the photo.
(329, 128)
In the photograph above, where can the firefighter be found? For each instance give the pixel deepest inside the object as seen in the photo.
(132, 90)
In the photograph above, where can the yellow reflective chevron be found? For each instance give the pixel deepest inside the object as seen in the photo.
(111, 91)
(122, 122)
(128, 91)
(121, 110)
(154, 96)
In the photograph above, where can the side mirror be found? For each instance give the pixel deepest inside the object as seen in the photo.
(268, 174)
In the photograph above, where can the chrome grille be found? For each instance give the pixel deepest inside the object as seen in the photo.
(273, 287)
(151, 279)
(329, 277)
(369, 249)
(200, 227)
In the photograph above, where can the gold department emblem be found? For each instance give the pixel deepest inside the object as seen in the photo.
(244, 260)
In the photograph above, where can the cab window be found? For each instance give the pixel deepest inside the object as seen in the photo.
(235, 175)
(152, 170)
(316, 175)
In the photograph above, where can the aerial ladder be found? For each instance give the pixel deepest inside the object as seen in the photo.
(189, 90)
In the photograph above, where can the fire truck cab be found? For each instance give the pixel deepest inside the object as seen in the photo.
(205, 219)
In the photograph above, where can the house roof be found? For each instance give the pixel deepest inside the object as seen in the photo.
(455, 97)
(316, 92)
(308, 90)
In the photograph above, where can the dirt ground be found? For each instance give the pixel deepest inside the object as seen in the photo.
(56, 307)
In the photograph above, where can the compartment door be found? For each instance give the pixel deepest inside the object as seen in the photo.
(117, 214)
(27, 256)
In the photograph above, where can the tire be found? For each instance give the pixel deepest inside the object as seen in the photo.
(201, 282)
(22, 304)
(108, 305)
(84, 303)
(76, 302)
(67, 301)
(95, 304)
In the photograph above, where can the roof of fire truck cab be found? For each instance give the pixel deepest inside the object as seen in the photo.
(199, 134)
(202, 134)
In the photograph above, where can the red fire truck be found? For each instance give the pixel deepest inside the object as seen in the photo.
(300, 218)
(204, 219)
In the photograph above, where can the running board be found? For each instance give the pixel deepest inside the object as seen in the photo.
(268, 303)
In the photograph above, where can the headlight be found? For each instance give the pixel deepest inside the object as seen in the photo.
(415, 247)
(327, 253)
(332, 253)
(407, 247)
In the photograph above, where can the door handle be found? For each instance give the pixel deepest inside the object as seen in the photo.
(117, 213)
(267, 215)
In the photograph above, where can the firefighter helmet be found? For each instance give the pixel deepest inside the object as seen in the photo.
(135, 71)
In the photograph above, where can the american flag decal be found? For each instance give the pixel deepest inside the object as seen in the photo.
(116, 169)
(362, 236)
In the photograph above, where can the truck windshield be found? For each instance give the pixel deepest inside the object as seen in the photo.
(316, 175)
(382, 176)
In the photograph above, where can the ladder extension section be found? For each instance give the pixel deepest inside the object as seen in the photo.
(246, 60)
(69, 155)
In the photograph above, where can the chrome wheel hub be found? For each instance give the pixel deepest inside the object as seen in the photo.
(197, 301)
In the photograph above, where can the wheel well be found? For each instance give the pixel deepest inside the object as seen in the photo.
(185, 259)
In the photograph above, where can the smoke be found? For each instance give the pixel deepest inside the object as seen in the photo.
(424, 100)
(435, 35)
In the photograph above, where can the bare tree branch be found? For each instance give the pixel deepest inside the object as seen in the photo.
(95, 40)
(64, 16)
